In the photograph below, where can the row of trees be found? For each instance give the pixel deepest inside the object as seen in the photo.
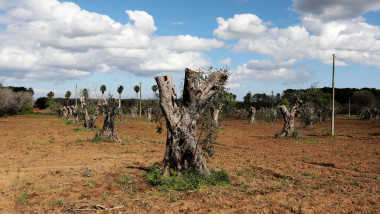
(345, 98)
(14, 100)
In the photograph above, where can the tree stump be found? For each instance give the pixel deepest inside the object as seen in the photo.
(149, 114)
(252, 112)
(109, 108)
(133, 111)
(289, 117)
(182, 150)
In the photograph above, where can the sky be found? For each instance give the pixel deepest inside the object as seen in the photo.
(272, 45)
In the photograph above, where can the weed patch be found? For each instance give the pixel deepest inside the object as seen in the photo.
(189, 181)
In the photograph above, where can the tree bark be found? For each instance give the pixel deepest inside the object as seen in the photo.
(252, 112)
(64, 112)
(149, 114)
(89, 122)
(238, 113)
(133, 111)
(70, 113)
(289, 117)
(215, 114)
(320, 118)
(110, 108)
(182, 150)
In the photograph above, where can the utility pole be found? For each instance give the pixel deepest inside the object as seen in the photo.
(333, 98)
(76, 89)
(272, 99)
(349, 107)
(140, 99)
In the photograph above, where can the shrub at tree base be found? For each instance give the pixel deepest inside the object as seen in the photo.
(190, 180)
(27, 110)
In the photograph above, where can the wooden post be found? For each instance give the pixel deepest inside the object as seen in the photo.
(349, 107)
(140, 99)
(272, 99)
(333, 98)
(76, 89)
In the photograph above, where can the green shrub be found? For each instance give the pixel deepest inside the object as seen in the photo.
(189, 181)
(26, 110)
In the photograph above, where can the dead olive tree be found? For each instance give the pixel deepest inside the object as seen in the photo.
(215, 110)
(64, 111)
(307, 114)
(149, 114)
(133, 111)
(89, 121)
(289, 117)
(110, 108)
(182, 149)
(252, 112)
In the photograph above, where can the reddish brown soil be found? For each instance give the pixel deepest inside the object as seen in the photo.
(47, 165)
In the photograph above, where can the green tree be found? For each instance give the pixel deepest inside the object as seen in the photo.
(136, 88)
(120, 90)
(247, 100)
(67, 95)
(154, 89)
(50, 94)
(363, 97)
(84, 93)
(315, 97)
(103, 88)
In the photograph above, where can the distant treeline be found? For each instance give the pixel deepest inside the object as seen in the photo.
(316, 97)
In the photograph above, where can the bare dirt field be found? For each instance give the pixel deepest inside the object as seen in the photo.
(46, 165)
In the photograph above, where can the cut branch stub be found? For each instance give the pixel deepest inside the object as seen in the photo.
(182, 150)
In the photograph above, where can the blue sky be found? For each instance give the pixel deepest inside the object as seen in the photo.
(52, 45)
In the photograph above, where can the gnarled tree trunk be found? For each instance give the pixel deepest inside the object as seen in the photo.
(64, 111)
(149, 114)
(307, 117)
(110, 108)
(70, 113)
(182, 150)
(133, 111)
(289, 117)
(89, 122)
(215, 110)
(320, 117)
(238, 113)
(252, 112)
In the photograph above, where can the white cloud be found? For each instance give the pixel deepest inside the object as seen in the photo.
(266, 70)
(177, 23)
(49, 39)
(328, 10)
(240, 26)
(231, 85)
(226, 61)
(352, 40)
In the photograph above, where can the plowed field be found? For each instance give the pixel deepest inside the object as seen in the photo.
(47, 165)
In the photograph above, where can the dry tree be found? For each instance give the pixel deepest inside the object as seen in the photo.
(109, 108)
(182, 149)
(289, 118)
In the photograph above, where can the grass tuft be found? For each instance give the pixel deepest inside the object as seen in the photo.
(189, 181)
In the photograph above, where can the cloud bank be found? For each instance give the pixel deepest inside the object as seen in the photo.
(326, 27)
(57, 41)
